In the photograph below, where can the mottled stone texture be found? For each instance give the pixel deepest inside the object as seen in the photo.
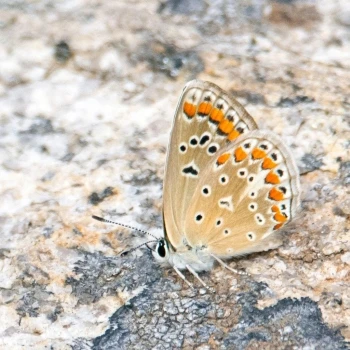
(87, 94)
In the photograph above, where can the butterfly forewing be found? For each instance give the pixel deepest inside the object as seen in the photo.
(248, 190)
(206, 120)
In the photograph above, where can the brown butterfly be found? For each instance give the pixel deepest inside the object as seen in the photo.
(228, 186)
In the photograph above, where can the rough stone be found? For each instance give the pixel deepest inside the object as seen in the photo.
(88, 91)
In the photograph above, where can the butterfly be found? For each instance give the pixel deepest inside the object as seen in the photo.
(228, 187)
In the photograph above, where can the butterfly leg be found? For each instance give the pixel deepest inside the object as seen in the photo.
(183, 277)
(228, 267)
(195, 274)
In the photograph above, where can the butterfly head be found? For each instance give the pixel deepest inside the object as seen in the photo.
(161, 252)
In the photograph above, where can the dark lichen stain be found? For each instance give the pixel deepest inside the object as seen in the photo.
(292, 101)
(339, 212)
(143, 178)
(184, 7)
(40, 126)
(310, 163)
(96, 198)
(68, 157)
(170, 60)
(28, 305)
(251, 97)
(293, 15)
(344, 173)
(62, 52)
(163, 317)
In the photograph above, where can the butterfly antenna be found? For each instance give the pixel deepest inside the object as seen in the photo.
(125, 252)
(98, 218)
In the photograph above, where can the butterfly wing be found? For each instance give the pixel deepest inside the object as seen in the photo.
(206, 120)
(249, 190)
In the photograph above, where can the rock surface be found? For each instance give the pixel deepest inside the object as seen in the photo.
(87, 94)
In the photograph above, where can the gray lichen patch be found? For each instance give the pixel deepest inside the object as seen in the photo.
(164, 319)
(99, 276)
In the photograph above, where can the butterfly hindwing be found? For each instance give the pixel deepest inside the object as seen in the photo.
(206, 120)
(249, 190)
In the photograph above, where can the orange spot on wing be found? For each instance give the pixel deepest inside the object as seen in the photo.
(204, 108)
(280, 217)
(272, 178)
(276, 227)
(223, 159)
(240, 154)
(268, 163)
(258, 153)
(189, 109)
(233, 135)
(217, 115)
(275, 209)
(225, 126)
(276, 195)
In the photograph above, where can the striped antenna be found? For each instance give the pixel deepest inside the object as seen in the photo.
(98, 218)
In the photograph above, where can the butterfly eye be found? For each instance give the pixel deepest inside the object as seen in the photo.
(161, 249)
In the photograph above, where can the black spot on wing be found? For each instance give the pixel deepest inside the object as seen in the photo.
(204, 140)
(190, 170)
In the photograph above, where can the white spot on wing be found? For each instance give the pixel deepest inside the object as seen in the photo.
(253, 194)
(219, 222)
(199, 217)
(242, 173)
(259, 219)
(226, 231)
(206, 191)
(251, 236)
(252, 206)
(223, 179)
(226, 203)
(232, 115)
